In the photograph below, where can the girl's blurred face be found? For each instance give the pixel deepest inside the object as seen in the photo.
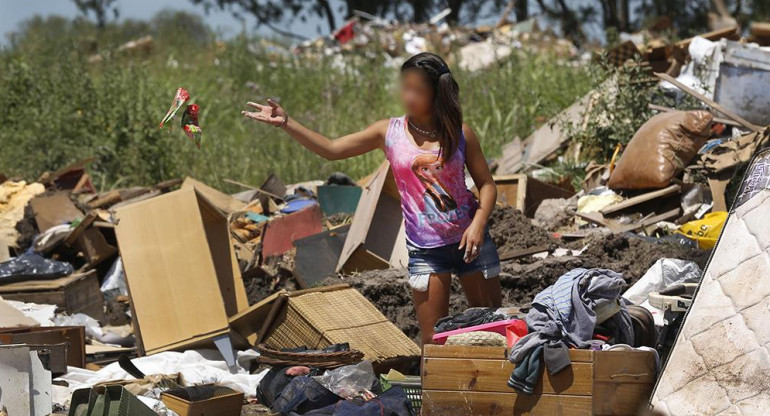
(416, 93)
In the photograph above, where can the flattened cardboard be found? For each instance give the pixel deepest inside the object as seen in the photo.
(181, 269)
(376, 237)
(51, 210)
(222, 201)
(281, 233)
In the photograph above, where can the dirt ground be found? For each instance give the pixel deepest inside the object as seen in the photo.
(522, 279)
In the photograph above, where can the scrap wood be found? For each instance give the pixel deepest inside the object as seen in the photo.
(630, 202)
(618, 228)
(715, 119)
(515, 254)
(713, 104)
(252, 188)
(731, 32)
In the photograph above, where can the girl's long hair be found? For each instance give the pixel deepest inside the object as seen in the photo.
(447, 112)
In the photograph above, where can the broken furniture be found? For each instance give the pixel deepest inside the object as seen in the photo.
(66, 344)
(76, 293)
(526, 193)
(465, 381)
(225, 203)
(376, 236)
(181, 272)
(719, 362)
(318, 318)
(25, 385)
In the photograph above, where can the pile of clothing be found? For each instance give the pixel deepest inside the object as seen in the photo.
(582, 305)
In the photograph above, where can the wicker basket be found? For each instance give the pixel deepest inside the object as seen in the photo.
(317, 359)
(320, 317)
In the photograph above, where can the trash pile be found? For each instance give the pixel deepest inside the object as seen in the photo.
(180, 299)
(475, 47)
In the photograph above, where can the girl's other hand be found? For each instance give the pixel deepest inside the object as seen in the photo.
(473, 239)
(272, 113)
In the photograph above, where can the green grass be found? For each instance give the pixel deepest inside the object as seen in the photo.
(56, 107)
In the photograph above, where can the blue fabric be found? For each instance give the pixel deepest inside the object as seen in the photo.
(526, 374)
(449, 259)
(393, 402)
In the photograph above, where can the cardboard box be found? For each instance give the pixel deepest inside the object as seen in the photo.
(181, 270)
(376, 237)
(225, 405)
(66, 343)
(464, 380)
(77, 293)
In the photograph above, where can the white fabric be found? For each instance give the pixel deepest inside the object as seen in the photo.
(195, 366)
(664, 273)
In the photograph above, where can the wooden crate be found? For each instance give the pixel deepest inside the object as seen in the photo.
(461, 380)
(76, 293)
(526, 193)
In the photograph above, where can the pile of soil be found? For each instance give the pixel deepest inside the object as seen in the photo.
(522, 279)
(511, 230)
(262, 282)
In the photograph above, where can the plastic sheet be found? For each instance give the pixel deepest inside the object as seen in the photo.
(31, 266)
(349, 381)
(114, 282)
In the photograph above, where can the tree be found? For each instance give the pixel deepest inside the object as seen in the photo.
(100, 8)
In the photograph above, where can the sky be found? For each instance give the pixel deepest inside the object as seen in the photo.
(13, 12)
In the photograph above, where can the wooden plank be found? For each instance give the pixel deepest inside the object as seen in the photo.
(42, 285)
(731, 32)
(492, 353)
(441, 403)
(492, 375)
(649, 196)
(510, 255)
(711, 103)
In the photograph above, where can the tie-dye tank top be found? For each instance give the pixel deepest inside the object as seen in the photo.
(436, 204)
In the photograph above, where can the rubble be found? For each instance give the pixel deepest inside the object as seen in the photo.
(204, 289)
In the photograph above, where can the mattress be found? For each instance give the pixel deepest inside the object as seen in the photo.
(720, 364)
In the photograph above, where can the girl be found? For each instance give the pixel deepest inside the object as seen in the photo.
(428, 150)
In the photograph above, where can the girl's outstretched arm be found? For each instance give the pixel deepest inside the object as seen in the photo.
(373, 137)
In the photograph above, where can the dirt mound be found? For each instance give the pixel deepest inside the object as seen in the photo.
(522, 280)
(511, 230)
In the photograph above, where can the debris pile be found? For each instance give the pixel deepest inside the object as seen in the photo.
(176, 297)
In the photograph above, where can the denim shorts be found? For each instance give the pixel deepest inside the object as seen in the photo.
(449, 259)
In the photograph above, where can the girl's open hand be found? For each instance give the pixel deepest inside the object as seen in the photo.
(272, 113)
